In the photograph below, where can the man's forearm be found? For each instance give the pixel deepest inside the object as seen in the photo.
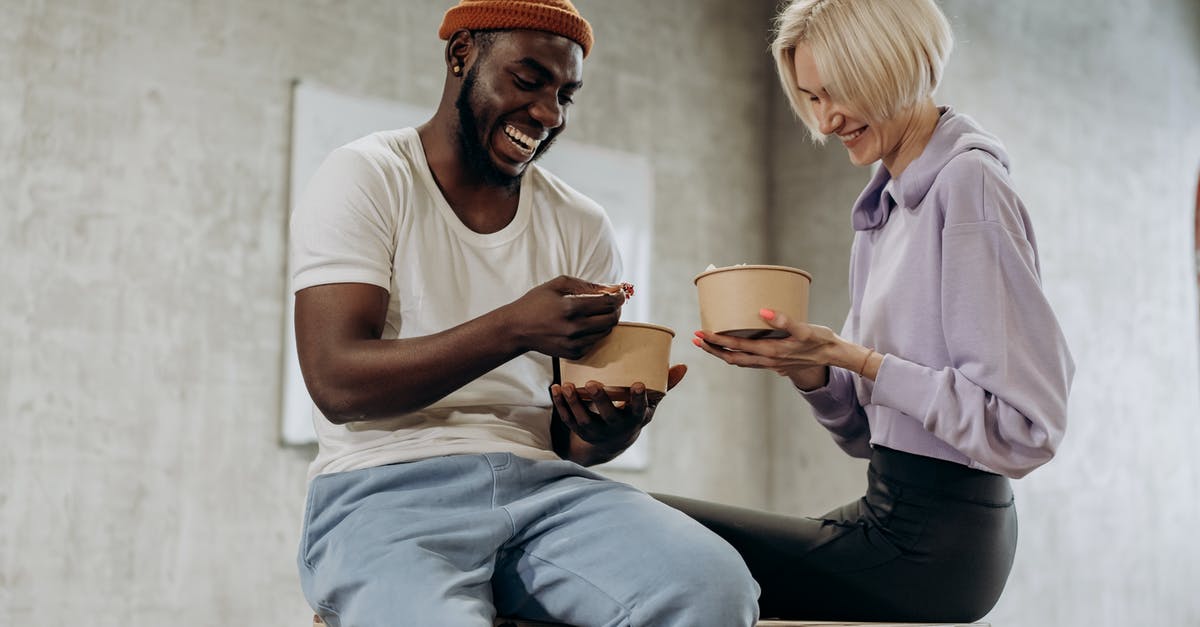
(372, 378)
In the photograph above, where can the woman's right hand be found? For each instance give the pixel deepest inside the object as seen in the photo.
(804, 356)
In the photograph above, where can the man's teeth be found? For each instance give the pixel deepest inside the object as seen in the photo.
(853, 136)
(523, 141)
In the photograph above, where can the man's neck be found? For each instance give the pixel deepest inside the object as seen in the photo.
(481, 206)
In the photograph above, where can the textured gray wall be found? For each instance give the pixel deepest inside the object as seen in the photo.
(142, 226)
(1097, 103)
(696, 111)
(812, 189)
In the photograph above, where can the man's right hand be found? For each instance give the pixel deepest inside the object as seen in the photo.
(563, 317)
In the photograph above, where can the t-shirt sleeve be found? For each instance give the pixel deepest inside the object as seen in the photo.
(1003, 399)
(342, 229)
(602, 263)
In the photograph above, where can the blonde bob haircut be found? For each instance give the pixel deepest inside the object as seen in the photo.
(876, 57)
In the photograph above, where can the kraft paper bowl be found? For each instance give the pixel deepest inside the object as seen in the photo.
(731, 297)
(632, 352)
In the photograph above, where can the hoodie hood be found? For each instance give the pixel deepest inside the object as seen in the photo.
(953, 135)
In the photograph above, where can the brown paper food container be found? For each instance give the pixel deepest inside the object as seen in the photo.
(731, 297)
(633, 351)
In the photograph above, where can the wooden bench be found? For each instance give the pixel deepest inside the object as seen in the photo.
(782, 623)
(505, 622)
(777, 623)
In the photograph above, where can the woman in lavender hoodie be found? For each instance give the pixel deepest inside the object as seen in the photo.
(951, 373)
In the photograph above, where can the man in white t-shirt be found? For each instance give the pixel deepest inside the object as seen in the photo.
(437, 272)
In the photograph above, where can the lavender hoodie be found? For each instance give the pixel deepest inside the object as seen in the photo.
(945, 282)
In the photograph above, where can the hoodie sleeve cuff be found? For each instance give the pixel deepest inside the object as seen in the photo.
(904, 386)
(834, 398)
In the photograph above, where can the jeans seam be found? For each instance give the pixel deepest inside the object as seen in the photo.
(305, 545)
(512, 524)
(507, 462)
(628, 612)
(329, 611)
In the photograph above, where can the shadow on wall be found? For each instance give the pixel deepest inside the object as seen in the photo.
(1191, 15)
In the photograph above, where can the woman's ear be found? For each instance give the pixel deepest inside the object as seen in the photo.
(458, 50)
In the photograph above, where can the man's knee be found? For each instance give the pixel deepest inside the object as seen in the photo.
(711, 586)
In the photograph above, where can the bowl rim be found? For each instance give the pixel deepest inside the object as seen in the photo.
(804, 273)
(647, 325)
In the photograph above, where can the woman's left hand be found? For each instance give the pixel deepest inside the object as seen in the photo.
(808, 347)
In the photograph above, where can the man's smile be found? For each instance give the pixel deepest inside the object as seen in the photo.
(525, 144)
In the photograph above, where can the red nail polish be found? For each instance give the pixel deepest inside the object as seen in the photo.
(697, 342)
(767, 314)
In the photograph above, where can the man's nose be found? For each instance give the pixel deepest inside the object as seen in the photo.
(548, 112)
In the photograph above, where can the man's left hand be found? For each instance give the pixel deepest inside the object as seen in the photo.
(600, 427)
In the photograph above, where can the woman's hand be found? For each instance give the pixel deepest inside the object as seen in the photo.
(803, 356)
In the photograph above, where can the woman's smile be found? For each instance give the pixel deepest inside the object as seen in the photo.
(851, 138)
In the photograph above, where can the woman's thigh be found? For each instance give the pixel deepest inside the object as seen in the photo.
(883, 557)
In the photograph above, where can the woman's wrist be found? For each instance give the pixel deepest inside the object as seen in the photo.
(871, 365)
(861, 360)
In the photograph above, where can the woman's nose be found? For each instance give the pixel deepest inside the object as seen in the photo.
(830, 122)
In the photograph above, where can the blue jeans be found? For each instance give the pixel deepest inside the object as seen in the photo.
(451, 541)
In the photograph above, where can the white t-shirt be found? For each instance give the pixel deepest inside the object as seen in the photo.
(373, 214)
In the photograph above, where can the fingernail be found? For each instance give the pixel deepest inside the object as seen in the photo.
(767, 314)
(698, 342)
(700, 334)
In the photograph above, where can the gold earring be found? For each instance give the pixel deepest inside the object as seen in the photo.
(457, 69)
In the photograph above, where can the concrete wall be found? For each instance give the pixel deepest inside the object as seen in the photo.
(142, 229)
(812, 189)
(1097, 104)
(1107, 163)
(142, 223)
(696, 111)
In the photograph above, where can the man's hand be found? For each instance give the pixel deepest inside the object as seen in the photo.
(595, 429)
(563, 317)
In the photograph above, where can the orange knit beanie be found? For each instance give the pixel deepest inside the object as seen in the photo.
(553, 16)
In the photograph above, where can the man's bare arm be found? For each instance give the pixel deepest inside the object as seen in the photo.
(352, 374)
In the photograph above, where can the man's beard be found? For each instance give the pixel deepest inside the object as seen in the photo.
(478, 162)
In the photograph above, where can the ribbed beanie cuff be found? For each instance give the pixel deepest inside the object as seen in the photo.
(553, 16)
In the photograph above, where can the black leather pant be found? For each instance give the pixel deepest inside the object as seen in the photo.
(930, 541)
